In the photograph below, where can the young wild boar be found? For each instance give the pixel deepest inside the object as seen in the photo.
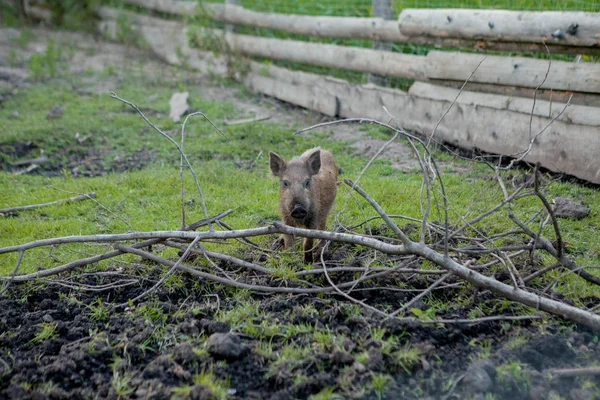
(307, 192)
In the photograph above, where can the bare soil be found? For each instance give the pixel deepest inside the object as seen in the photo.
(88, 352)
(80, 358)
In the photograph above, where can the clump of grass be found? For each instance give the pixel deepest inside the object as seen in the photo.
(380, 383)
(512, 372)
(46, 330)
(99, 312)
(219, 388)
(407, 357)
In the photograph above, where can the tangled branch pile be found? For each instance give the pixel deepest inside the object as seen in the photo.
(462, 255)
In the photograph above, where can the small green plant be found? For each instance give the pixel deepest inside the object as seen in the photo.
(512, 371)
(427, 315)
(292, 331)
(181, 392)
(286, 361)
(284, 268)
(485, 346)
(44, 65)
(380, 383)
(516, 341)
(46, 330)
(264, 349)
(219, 388)
(324, 340)
(25, 37)
(264, 330)
(241, 315)
(377, 334)
(327, 393)
(362, 357)
(12, 57)
(120, 383)
(98, 312)
(407, 357)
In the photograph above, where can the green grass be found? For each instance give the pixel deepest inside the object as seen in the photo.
(149, 199)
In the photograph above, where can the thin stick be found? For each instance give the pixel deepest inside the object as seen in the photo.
(223, 257)
(34, 206)
(379, 210)
(156, 128)
(12, 276)
(575, 371)
(343, 294)
(164, 277)
(478, 320)
(421, 295)
(454, 101)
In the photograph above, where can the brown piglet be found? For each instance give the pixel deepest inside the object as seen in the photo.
(308, 186)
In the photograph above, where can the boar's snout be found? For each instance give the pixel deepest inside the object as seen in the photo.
(299, 211)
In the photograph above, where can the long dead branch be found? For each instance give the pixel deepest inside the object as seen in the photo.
(9, 210)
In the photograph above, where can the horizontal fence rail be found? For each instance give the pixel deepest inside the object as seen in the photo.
(402, 31)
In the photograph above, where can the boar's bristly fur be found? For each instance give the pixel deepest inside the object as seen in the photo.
(308, 185)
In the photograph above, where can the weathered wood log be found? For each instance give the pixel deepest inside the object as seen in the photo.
(515, 71)
(564, 147)
(317, 26)
(310, 97)
(340, 27)
(327, 55)
(183, 8)
(483, 127)
(575, 114)
(572, 28)
(561, 96)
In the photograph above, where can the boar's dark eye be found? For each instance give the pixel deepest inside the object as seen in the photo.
(307, 183)
(285, 183)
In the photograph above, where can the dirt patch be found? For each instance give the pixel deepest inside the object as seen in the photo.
(76, 160)
(160, 348)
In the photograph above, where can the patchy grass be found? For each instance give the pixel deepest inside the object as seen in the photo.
(292, 339)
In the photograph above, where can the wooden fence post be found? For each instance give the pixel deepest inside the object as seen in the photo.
(381, 9)
(230, 27)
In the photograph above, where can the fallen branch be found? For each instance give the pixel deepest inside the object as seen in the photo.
(10, 210)
(574, 372)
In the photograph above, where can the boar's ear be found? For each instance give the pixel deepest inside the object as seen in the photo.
(276, 163)
(314, 162)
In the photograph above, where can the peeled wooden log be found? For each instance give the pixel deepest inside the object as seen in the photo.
(553, 27)
(176, 7)
(310, 97)
(549, 95)
(339, 27)
(575, 114)
(563, 147)
(514, 71)
(327, 55)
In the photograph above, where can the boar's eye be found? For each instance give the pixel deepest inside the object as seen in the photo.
(307, 183)
(285, 184)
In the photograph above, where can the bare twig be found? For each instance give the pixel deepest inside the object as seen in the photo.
(52, 203)
(163, 278)
(574, 371)
(229, 122)
(156, 128)
(453, 101)
(420, 296)
(379, 210)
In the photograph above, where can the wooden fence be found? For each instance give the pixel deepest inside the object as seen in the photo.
(496, 112)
